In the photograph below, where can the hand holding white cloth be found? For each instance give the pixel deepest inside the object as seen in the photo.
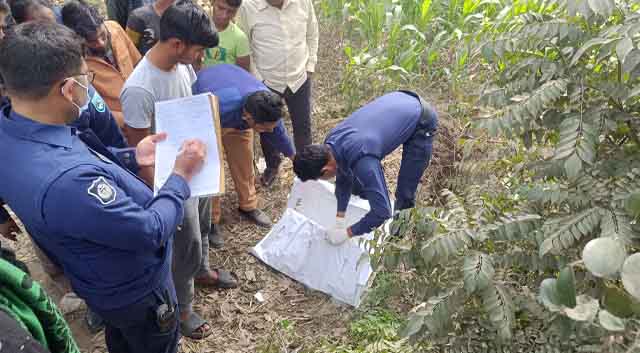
(338, 234)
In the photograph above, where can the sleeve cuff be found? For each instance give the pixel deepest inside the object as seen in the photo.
(177, 185)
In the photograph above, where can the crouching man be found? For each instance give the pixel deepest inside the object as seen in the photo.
(353, 152)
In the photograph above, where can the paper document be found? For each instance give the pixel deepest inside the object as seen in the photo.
(194, 117)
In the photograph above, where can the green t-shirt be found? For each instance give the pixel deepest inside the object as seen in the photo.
(233, 44)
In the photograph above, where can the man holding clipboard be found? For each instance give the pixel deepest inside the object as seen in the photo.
(165, 73)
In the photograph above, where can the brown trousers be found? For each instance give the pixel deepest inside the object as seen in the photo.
(238, 149)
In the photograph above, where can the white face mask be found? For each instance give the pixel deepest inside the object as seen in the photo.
(85, 105)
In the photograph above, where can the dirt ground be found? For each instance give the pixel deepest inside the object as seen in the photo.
(240, 323)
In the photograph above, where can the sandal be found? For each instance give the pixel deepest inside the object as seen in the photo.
(195, 327)
(269, 176)
(224, 280)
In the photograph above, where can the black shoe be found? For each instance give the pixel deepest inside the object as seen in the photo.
(258, 217)
(94, 322)
(216, 238)
(269, 176)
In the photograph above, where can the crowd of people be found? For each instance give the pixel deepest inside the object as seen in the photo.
(78, 141)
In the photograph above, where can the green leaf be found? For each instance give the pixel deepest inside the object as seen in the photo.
(565, 287)
(632, 205)
(610, 322)
(478, 272)
(602, 7)
(497, 303)
(631, 275)
(563, 232)
(631, 60)
(603, 257)
(414, 324)
(441, 247)
(618, 302)
(549, 294)
(588, 46)
(624, 47)
(573, 166)
(585, 310)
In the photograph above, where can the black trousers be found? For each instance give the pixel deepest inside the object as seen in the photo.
(135, 328)
(299, 105)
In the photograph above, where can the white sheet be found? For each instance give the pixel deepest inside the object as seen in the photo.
(297, 245)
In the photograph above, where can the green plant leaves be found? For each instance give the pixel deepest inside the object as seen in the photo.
(497, 303)
(566, 288)
(603, 257)
(563, 232)
(478, 272)
(631, 275)
(610, 322)
(549, 294)
(602, 7)
(444, 246)
(586, 309)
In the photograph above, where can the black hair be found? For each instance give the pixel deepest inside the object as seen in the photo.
(82, 18)
(234, 3)
(36, 55)
(20, 8)
(189, 23)
(309, 162)
(264, 106)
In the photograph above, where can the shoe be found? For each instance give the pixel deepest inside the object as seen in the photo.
(258, 217)
(269, 176)
(216, 238)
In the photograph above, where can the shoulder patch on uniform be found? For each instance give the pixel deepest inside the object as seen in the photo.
(98, 103)
(101, 190)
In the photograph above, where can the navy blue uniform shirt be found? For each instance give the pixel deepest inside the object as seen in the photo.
(232, 84)
(361, 141)
(99, 119)
(89, 214)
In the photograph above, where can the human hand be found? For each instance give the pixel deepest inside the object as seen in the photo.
(9, 229)
(146, 149)
(339, 233)
(190, 158)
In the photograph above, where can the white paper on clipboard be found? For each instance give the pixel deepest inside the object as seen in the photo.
(194, 117)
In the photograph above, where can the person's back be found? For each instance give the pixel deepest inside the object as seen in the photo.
(231, 84)
(376, 129)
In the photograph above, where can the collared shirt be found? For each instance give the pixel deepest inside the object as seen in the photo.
(99, 119)
(88, 213)
(232, 85)
(359, 144)
(284, 42)
(110, 78)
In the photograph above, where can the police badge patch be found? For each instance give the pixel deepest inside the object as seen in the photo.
(101, 190)
(98, 103)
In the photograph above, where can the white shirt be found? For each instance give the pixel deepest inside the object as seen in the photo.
(284, 42)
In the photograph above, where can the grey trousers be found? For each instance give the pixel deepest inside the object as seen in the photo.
(188, 250)
(204, 208)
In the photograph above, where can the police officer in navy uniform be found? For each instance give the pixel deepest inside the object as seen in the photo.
(81, 201)
(353, 153)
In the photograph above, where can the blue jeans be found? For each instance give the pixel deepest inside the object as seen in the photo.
(416, 155)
